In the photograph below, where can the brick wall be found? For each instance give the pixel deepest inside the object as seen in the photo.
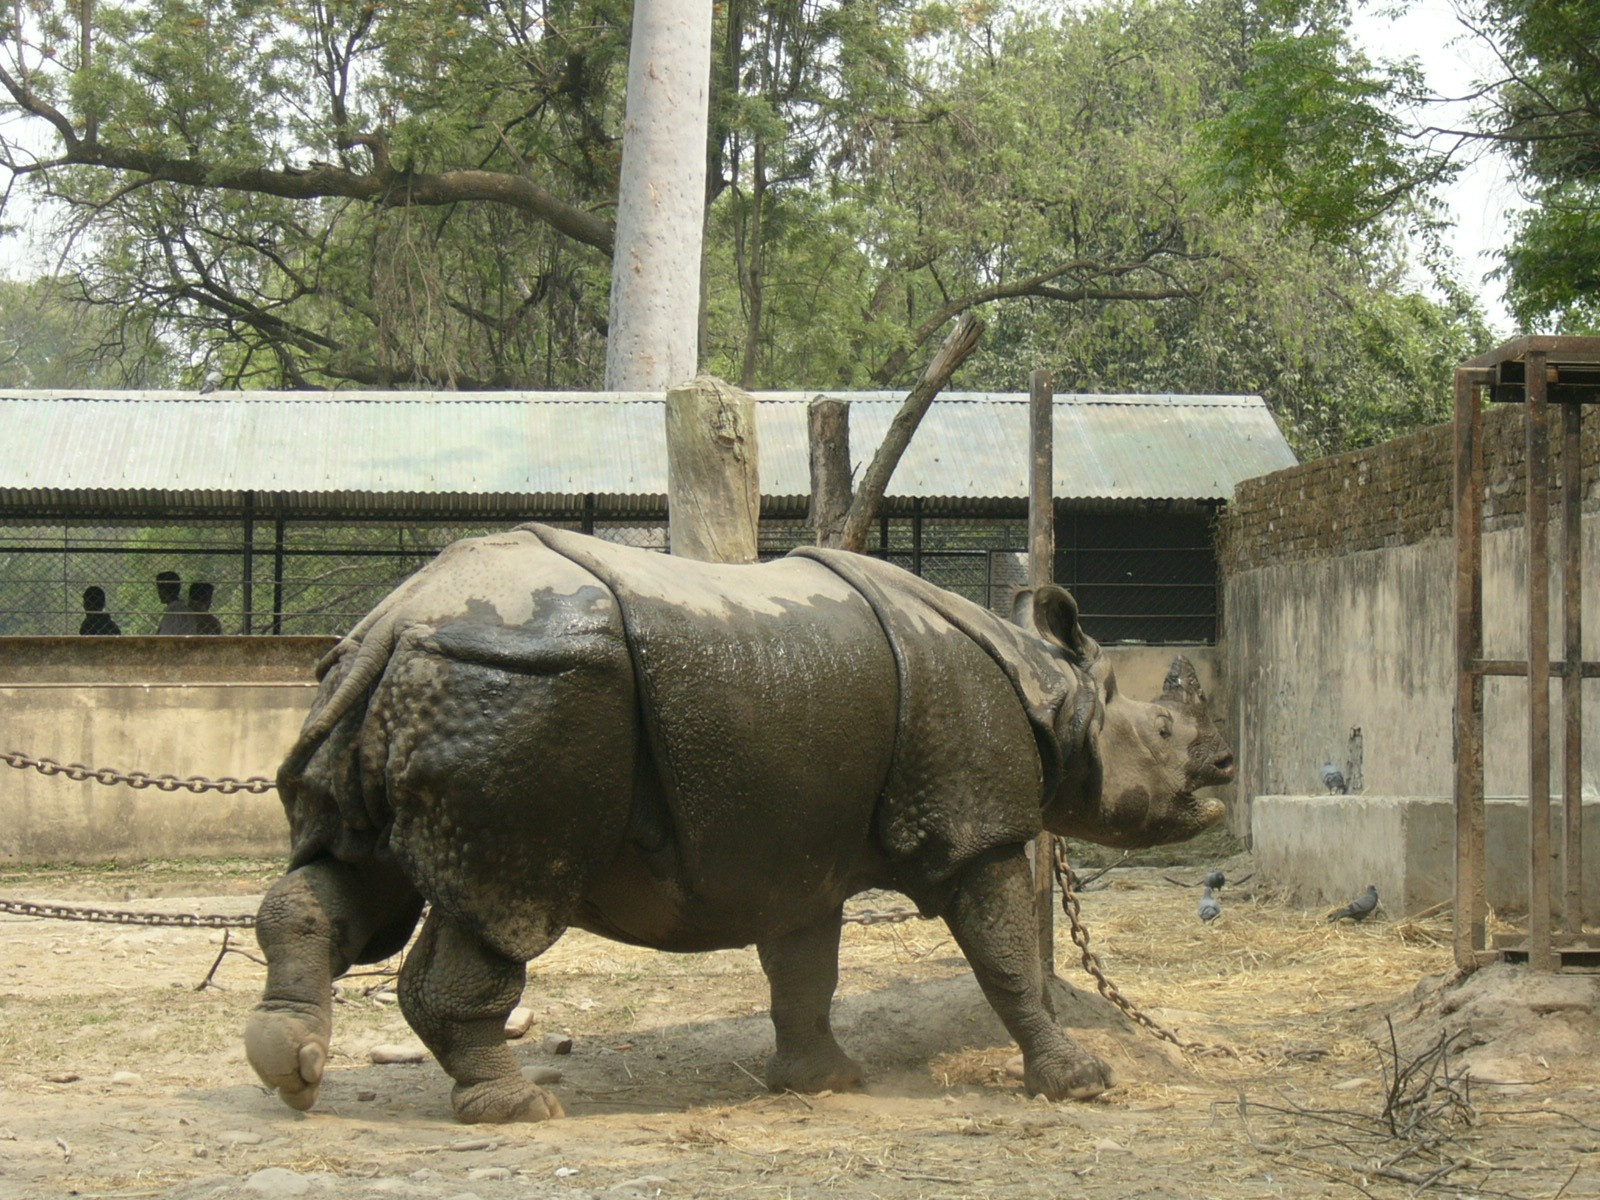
(1395, 494)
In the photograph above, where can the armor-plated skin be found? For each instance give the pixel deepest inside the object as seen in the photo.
(542, 730)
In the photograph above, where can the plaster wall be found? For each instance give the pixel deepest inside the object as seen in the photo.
(1323, 850)
(181, 706)
(1316, 649)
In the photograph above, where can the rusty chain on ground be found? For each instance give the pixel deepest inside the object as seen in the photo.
(78, 773)
(1096, 969)
(111, 916)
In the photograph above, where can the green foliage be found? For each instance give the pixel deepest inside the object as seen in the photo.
(1164, 195)
(1545, 112)
(50, 339)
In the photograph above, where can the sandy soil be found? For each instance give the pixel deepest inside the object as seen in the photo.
(119, 1078)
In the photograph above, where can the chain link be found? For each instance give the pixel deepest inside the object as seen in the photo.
(1093, 965)
(256, 785)
(111, 916)
(874, 916)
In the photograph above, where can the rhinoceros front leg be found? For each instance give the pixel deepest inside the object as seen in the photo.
(312, 924)
(803, 970)
(993, 922)
(456, 994)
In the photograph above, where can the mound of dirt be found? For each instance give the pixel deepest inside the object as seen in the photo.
(1509, 1025)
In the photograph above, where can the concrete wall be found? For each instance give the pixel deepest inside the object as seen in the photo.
(1406, 846)
(211, 707)
(184, 706)
(1339, 615)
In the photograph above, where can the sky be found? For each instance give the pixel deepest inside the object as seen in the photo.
(1483, 199)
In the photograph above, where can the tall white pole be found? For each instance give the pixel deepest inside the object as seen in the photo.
(655, 273)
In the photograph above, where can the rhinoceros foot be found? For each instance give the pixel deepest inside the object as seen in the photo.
(289, 1049)
(503, 1101)
(824, 1070)
(1075, 1076)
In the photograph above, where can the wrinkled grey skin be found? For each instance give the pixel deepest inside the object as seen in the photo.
(540, 731)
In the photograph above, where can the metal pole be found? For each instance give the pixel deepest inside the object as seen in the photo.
(1572, 680)
(277, 576)
(1471, 897)
(1538, 533)
(249, 572)
(1041, 567)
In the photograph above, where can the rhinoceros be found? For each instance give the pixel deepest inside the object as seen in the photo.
(542, 730)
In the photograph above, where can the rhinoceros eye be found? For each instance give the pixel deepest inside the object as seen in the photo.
(1164, 725)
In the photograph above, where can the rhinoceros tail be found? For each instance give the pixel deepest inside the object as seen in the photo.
(371, 657)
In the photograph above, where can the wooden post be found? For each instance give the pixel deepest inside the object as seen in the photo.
(1471, 894)
(1537, 521)
(962, 341)
(713, 487)
(1041, 568)
(828, 430)
(1572, 680)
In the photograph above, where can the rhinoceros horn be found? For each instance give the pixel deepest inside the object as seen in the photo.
(1183, 683)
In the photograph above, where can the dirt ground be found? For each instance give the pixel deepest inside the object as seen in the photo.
(119, 1078)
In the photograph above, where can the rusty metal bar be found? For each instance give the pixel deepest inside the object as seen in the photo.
(1471, 893)
(1537, 527)
(1572, 677)
(1518, 669)
(1041, 569)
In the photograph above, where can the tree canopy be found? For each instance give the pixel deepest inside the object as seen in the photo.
(420, 193)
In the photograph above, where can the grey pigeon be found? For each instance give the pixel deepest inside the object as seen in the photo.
(1215, 880)
(1360, 908)
(212, 382)
(1333, 780)
(1209, 910)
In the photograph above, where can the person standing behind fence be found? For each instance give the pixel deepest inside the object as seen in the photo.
(205, 621)
(177, 619)
(96, 621)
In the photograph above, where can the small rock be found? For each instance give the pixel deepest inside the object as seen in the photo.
(477, 1173)
(239, 1137)
(201, 1152)
(542, 1075)
(62, 1077)
(127, 1078)
(277, 1181)
(398, 1052)
(519, 1022)
(566, 1172)
(423, 1175)
(1107, 1146)
(473, 1144)
(645, 1185)
(366, 1094)
(558, 1043)
(386, 997)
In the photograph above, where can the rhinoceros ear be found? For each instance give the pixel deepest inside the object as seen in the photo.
(1183, 683)
(1055, 617)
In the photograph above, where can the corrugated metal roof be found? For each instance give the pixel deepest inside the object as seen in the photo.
(554, 445)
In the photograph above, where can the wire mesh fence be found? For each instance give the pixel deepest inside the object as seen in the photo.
(318, 577)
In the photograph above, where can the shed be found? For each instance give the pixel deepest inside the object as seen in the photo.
(303, 508)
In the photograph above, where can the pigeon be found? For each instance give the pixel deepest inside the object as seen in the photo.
(212, 382)
(1333, 780)
(1215, 880)
(1209, 910)
(1360, 908)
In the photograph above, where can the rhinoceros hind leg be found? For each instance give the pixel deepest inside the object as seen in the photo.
(456, 993)
(803, 970)
(313, 923)
(991, 917)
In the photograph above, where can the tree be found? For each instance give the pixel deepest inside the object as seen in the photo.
(653, 339)
(49, 341)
